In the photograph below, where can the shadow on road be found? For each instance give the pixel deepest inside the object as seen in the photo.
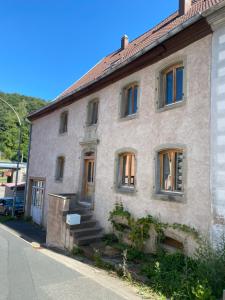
(27, 230)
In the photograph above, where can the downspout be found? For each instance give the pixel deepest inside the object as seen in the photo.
(27, 177)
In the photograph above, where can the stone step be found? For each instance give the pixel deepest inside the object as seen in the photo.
(85, 224)
(86, 217)
(86, 232)
(86, 240)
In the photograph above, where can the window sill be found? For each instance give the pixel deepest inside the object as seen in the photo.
(126, 190)
(63, 133)
(172, 106)
(129, 117)
(59, 180)
(92, 125)
(170, 196)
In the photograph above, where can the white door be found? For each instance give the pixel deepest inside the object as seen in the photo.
(37, 201)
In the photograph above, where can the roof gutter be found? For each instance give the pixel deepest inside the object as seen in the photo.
(162, 39)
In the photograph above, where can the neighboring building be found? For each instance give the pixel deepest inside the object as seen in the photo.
(10, 187)
(8, 171)
(8, 176)
(145, 126)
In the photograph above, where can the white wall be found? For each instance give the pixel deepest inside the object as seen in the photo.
(188, 125)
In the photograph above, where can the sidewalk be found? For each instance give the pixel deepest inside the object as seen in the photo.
(27, 231)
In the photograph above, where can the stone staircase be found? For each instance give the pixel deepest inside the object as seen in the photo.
(88, 231)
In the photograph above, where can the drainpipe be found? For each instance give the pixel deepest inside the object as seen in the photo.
(28, 162)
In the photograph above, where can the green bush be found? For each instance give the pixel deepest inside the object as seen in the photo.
(211, 265)
(110, 239)
(100, 263)
(180, 277)
(77, 251)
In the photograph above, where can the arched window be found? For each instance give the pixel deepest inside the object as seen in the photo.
(172, 85)
(129, 105)
(63, 122)
(127, 172)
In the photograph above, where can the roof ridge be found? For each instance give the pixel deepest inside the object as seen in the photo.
(160, 23)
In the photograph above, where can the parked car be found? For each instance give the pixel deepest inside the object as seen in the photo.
(6, 205)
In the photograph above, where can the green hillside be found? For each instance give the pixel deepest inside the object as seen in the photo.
(8, 123)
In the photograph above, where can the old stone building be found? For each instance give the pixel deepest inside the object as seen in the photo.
(145, 127)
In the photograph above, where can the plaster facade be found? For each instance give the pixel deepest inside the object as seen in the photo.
(187, 124)
(217, 21)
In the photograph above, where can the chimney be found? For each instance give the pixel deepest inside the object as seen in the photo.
(184, 6)
(124, 42)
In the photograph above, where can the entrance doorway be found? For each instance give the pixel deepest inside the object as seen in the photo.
(89, 179)
(37, 200)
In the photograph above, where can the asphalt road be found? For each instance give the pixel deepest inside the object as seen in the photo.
(27, 273)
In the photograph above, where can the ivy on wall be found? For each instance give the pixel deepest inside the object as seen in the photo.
(138, 230)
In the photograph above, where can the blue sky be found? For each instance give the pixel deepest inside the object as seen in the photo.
(46, 45)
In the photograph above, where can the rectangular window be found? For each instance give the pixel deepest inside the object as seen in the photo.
(93, 112)
(171, 169)
(127, 169)
(130, 100)
(60, 168)
(63, 122)
(172, 79)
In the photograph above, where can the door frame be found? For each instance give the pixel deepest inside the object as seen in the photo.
(84, 157)
(30, 200)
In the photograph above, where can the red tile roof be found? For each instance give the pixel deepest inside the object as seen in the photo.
(120, 56)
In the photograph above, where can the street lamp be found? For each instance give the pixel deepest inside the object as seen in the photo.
(18, 155)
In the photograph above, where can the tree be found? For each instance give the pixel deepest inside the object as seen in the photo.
(9, 131)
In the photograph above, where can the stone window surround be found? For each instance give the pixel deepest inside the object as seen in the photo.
(120, 189)
(122, 99)
(169, 196)
(56, 168)
(88, 112)
(158, 94)
(60, 120)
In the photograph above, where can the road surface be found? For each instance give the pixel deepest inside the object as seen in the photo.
(27, 273)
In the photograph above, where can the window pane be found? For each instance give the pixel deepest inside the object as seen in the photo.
(89, 171)
(169, 88)
(132, 180)
(92, 173)
(60, 168)
(61, 164)
(179, 84)
(135, 99)
(125, 171)
(63, 122)
(167, 172)
(129, 101)
(94, 112)
(178, 171)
